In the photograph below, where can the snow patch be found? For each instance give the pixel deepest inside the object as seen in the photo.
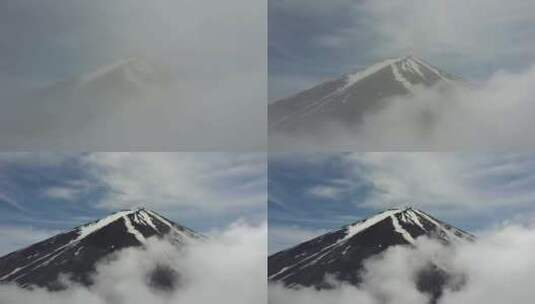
(144, 217)
(351, 79)
(356, 228)
(132, 230)
(281, 271)
(88, 229)
(400, 78)
(414, 218)
(448, 233)
(397, 227)
(184, 235)
(411, 66)
(432, 69)
(11, 273)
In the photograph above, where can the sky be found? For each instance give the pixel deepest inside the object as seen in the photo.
(215, 53)
(312, 193)
(311, 41)
(42, 194)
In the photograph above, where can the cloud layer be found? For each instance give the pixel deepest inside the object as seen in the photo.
(228, 268)
(491, 115)
(495, 269)
(214, 56)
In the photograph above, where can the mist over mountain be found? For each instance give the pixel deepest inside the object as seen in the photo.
(125, 103)
(406, 104)
(73, 104)
(347, 99)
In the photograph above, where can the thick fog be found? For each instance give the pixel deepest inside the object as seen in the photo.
(159, 75)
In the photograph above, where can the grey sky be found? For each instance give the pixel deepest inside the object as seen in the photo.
(216, 54)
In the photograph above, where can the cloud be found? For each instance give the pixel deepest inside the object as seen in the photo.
(477, 30)
(201, 190)
(6, 199)
(473, 38)
(492, 115)
(503, 275)
(326, 191)
(458, 186)
(228, 268)
(70, 191)
(211, 182)
(460, 183)
(215, 59)
(62, 193)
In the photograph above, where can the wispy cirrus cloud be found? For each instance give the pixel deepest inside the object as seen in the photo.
(204, 189)
(470, 190)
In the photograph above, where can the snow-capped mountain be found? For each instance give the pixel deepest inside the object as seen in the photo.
(341, 253)
(346, 99)
(76, 252)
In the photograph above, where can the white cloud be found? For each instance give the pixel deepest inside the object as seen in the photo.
(70, 191)
(61, 193)
(229, 268)
(453, 182)
(491, 116)
(477, 30)
(497, 269)
(325, 191)
(212, 182)
(216, 52)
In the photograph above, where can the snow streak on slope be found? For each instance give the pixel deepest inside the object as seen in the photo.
(76, 252)
(346, 99)
(228, 268)
(85, 230)
(352, 79)
(358, 227)
(342, 252)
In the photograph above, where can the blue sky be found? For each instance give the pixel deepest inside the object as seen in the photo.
(44, 193)
(311, 193)
(311, 40)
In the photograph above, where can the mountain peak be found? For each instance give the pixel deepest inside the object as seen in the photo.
(410, 223)
(137, 220)
(77, 251)
(343, 252)
(135, 71)
(348, 98)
